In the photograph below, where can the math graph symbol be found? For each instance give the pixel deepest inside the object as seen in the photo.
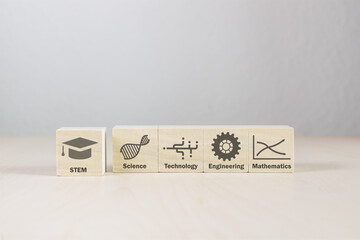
(180, 148)
(266, 148)
(131, 150)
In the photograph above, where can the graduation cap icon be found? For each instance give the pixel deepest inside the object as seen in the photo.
(76, 147)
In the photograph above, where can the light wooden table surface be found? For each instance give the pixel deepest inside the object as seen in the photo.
(320, 200)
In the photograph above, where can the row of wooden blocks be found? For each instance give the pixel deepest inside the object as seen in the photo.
(82, 151)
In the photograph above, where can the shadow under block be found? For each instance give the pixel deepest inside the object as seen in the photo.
(80, 151)
(181, 149)
(135, 149)
(271, 149)
(226, 149)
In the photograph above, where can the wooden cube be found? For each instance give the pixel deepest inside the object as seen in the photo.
(226, 149)
(181, 149)
(271, 149)
(135, 149)
(80, 151)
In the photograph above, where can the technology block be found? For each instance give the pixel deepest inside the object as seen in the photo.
(181, 149)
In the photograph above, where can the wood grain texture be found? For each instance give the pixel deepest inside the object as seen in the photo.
(134, 156)
(94, 165)
(319, 201)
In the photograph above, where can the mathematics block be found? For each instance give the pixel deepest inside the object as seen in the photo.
(271, 149)
(80, 151)
(181, 149)
(135, 149)
(226, 149)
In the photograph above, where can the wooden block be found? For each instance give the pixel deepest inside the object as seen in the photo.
(135, 149)
(226, 149)
(271, 149)
(181, 149)
(80, 151)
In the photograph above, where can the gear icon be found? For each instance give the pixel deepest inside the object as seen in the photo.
(226, 146)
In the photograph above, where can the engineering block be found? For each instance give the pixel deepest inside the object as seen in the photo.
(226, 149)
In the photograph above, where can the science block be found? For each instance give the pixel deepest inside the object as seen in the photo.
(135, 149)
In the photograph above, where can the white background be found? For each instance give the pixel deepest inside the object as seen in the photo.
(101, 63)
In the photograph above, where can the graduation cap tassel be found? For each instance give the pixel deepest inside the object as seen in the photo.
(63, 153)
(79, 148)
(131, 150)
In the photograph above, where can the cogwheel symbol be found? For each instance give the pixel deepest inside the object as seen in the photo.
(226, 146)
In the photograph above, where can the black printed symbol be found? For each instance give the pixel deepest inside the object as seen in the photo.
(78, 143)
(268, 147)
(131, 150)
(226, 146)
(180, 148)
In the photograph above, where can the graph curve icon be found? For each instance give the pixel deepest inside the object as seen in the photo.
(131, 150)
